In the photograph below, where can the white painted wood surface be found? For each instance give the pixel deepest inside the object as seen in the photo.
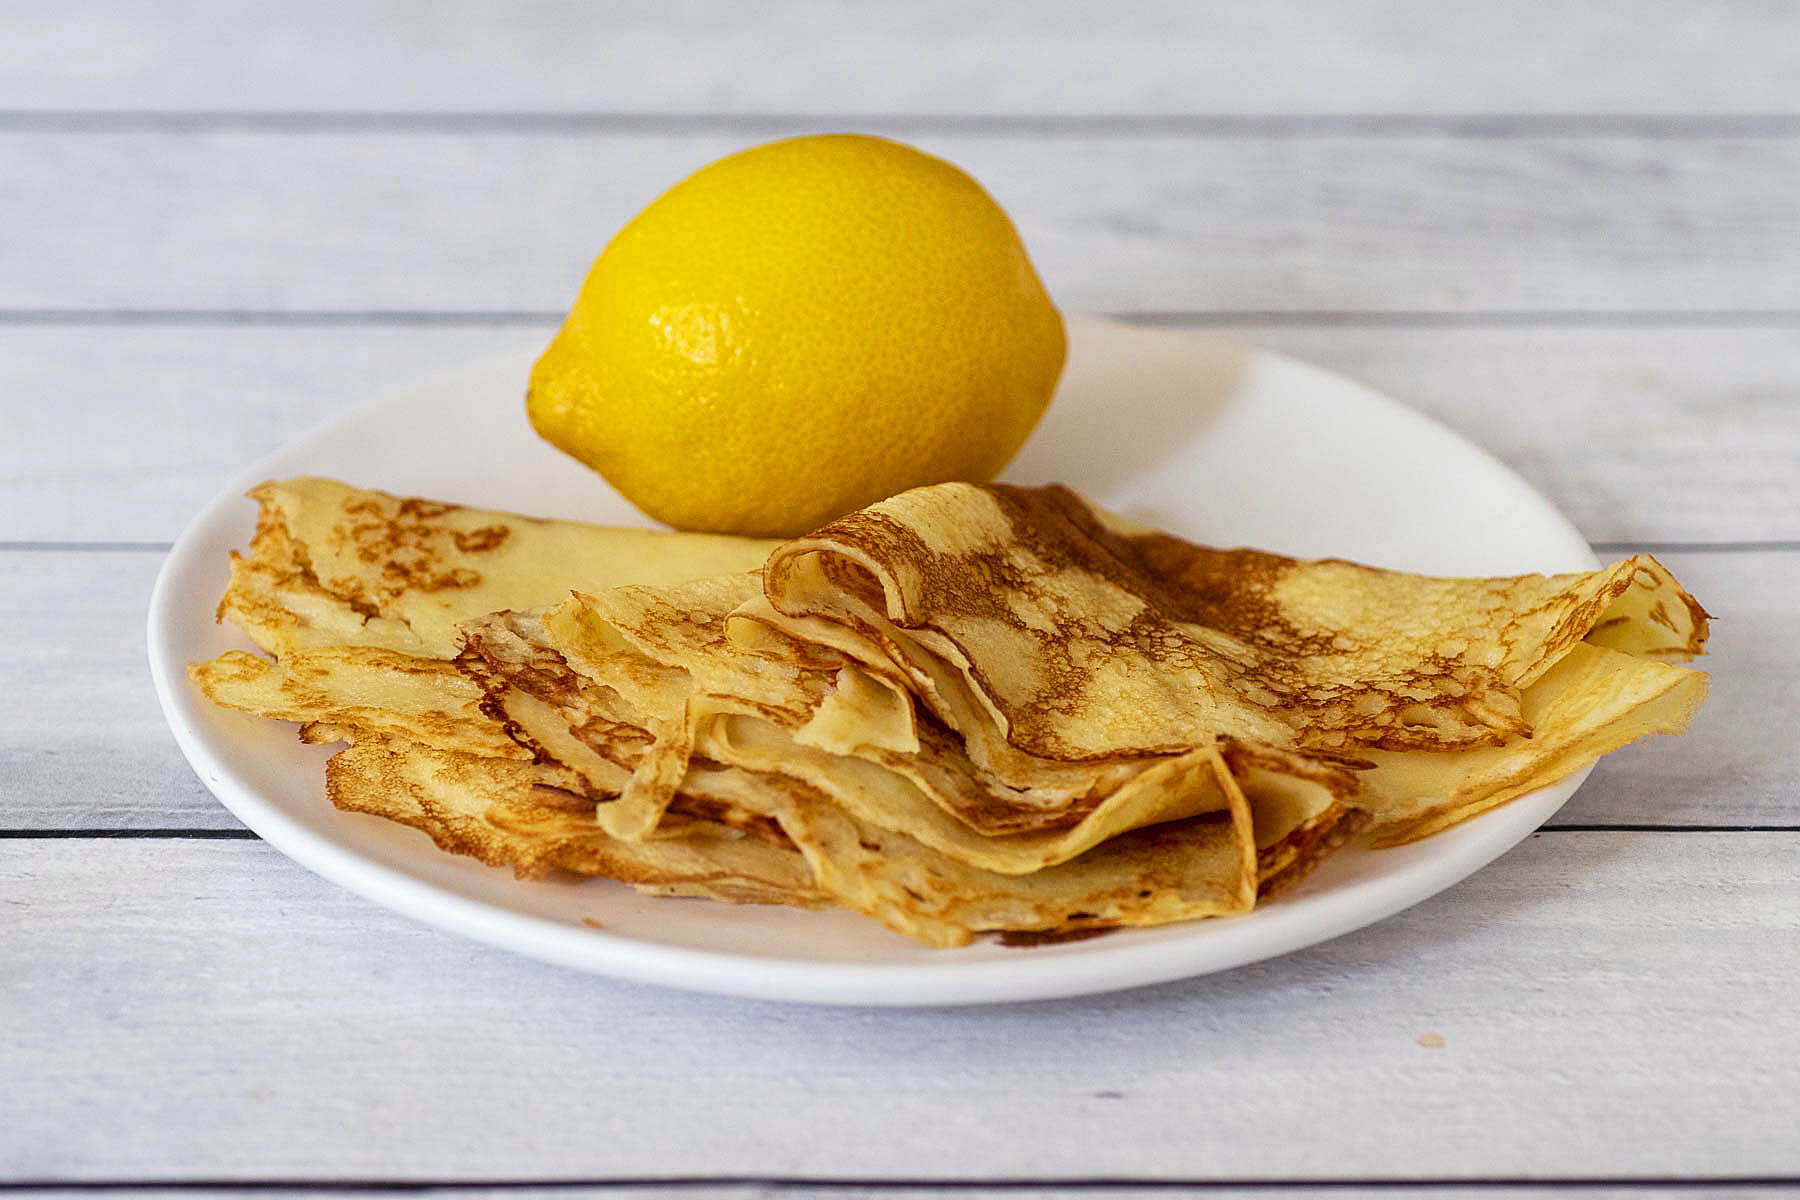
(1018, 57)
(208, 1010)
(1569, 231)
(434, 220)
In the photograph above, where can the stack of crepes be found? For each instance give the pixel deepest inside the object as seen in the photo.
(965, 709)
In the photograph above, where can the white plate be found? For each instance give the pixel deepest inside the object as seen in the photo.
(1219, 443)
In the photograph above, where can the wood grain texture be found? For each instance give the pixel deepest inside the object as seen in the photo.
(85, 745)
(1382, 56)
(209, 1010)
(1676, 434)
(372, 220)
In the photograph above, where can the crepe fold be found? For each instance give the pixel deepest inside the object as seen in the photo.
(1044, 630)
(963, 710)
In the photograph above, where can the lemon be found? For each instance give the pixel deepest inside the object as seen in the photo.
(799, 330)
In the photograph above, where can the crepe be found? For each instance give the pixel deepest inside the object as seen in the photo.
(577, 682)
(361, 690)
(1044, 630)
(332, 564)
(662, 662)
(1175, 871)
(512, 814)
(1591, 702)
(1077, 636)
(1181, 870)
(965, 710)
(356, 594)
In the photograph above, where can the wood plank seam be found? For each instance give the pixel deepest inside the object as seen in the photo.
(196, 834)
(1645, 827)
(324, 317)
(945, 1185)
(32, 547)
(1498, 125)
(1726, 319)
(1746, 547)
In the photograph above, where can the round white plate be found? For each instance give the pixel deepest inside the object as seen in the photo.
(1216, 442)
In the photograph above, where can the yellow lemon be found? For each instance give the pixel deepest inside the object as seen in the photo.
(799, 330)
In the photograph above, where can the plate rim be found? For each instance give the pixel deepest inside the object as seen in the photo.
(1279, 929)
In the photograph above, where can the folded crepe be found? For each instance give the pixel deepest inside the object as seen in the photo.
(332, 564)
(356, 595)
(1043, 630)
(965, 709)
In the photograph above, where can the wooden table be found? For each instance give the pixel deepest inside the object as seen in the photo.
(1569, 231)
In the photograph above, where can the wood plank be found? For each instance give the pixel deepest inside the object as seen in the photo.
(1681, 434)
(84, 742)
(1620, 1004)
(85, 745)
(132, 430)
(1384, 56)
(510, 221)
